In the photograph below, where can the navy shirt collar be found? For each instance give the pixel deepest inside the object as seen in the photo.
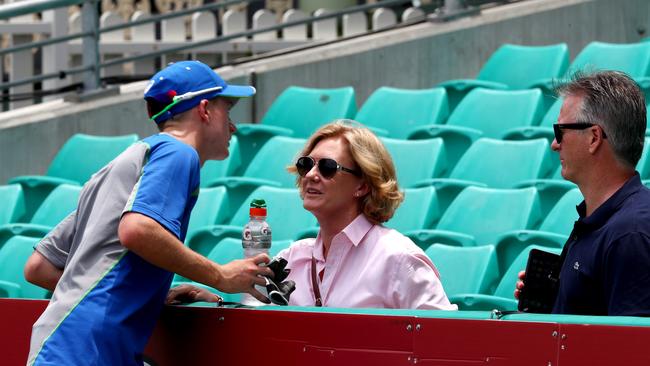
(602, 214)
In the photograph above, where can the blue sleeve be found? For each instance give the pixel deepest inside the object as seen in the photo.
(167, 187)
(627, 278)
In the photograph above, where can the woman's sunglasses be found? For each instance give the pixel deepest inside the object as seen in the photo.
(327, 167)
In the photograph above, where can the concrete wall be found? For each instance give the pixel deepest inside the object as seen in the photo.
(418, 56)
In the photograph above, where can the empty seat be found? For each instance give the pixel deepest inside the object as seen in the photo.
(211, 208)
(503, 297)
(286, 216)
(479, 215)
(553, 232)
(13, 256)
(543, 130)
(496, 164)
(417, 160)
(512, 67)
(394, 112)
(79, 158)
(13, 203)
(418, 211)
(268, 167)
(631, 58)
(215, 169)
(58, 204)
(484, 113)
(296, 112)
(465, 270)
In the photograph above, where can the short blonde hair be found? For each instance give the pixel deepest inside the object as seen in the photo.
(374, 162)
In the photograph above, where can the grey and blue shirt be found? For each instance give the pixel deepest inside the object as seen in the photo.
(106, 303)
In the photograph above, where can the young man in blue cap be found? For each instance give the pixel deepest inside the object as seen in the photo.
(111, 262)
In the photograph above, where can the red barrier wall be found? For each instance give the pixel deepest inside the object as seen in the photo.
(206, 336)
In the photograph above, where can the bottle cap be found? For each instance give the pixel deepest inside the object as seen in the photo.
(258, 207)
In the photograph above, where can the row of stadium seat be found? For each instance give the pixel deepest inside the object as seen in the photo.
(515, 82)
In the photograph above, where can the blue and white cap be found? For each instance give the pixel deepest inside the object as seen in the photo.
(178, 85)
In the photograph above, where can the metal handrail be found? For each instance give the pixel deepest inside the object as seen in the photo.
(33, 6)
(96, 68)
(129, 24)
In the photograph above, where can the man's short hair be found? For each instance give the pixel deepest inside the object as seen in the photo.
(614, 101)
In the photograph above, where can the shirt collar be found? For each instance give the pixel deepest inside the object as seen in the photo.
(357, 229)
(602, 214)
(354, 232)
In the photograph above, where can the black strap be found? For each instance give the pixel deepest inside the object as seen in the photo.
(314, 283)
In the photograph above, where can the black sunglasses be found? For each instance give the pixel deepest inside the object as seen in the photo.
(558, 127)
(327, 167)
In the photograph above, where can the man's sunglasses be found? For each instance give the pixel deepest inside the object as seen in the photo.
(558, 127)
(327, 167)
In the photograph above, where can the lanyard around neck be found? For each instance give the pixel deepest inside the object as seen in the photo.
(314, 283)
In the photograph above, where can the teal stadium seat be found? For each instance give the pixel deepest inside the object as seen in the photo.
(512, 67)
(419, 210)
(13, 256)
(543, 130)
(430, 154)
(214, 169)
(496, 164)
(553, 232)
(211, 208)
(79, 158)
(631, 58)
(503, 297)
(13, 203)
(484, 113)
(479, 215)
(394, 112)
(268, 167)
(286, 216)
(58, 204)
(465, 270)
(296, 112)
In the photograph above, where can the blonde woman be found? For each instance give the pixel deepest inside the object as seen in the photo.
(347, 180)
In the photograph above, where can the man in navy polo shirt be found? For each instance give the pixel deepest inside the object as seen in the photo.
(110, 263)
(599, 136)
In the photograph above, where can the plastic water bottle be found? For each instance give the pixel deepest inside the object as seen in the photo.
(256, 239)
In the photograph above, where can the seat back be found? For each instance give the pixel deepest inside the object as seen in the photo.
(430, 154)
(519, 66)
(304, 110)
(13, 203)
(272, 160)
(562, 216)
(398, 111)
(509, 279)
(552, 114)
(286, 216)
(494, 112)
(465, 270)
(418, 211)
(486, 213)
(502, 164)
(227, 250)
(211, 208)
(57, 205)
(631, 58)
(13, 256)
(83, 155)
(213, 169)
